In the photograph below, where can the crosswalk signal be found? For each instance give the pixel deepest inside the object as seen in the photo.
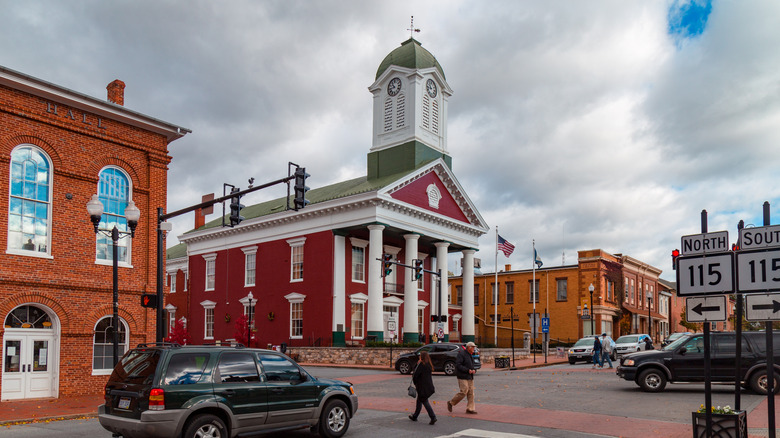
(387, 265)
(235, 208)
(149, 300)
(418, 269)
(675, 254)
(300, 188)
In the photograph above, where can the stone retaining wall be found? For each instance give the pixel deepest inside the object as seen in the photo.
(379, 356)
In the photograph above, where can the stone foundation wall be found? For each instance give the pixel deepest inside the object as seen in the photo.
(379, 356)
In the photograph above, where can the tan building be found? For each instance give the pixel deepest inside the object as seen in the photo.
(618, 303)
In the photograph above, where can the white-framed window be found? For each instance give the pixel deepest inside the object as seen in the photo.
(208, 319)
(103, 345)
(296, 259)
(171, 317)
(29, 207)
(296, 314)
(358, 315)
(420, 320)
(115, 191)
(172, 280)
(250, 265)
(211, 270)
(249, 312)
(358, 259)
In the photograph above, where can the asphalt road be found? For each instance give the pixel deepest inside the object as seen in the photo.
(559, 389)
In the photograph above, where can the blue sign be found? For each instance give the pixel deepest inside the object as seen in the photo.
(545, 325)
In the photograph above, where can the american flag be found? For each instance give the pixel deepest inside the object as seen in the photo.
(505, 246)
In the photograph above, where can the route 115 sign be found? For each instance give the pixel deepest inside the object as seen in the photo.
(705, 274)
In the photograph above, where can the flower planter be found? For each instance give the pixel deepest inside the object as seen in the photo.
(502, 362)
(723, 425)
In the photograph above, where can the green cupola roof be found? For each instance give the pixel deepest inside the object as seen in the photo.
(409, 55)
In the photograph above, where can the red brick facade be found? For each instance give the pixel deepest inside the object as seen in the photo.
(81, 135)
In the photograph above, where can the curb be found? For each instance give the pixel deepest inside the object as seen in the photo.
(9, 423)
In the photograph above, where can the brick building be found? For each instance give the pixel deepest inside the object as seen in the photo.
(564, 294)
(58, 148)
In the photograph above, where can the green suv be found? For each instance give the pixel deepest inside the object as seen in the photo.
(168, 390)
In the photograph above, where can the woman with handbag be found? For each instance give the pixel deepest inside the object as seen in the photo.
(423, 380)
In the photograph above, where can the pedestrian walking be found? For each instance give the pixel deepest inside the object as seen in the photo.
(423, 381)
(464, 370)
(648, 343)
(607, 347)
(597, 352)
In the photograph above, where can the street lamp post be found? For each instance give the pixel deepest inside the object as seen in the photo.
(249, 320)
(132, 214)
(592, 313)
(649, 318)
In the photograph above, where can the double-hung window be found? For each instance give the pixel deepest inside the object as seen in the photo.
(562, 293)
(211, 271)
(296, 259)
(208, 319)
(29, 213)
(296, 314)
(250, 265)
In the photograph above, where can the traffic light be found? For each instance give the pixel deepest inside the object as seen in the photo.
(418, 269)
(675, 254)
(443, 318)
(235, 208)
(387, 265)
(149, 300)
(300, 188)
(434, 318)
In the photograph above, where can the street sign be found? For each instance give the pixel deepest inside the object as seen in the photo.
(545, 325)
(762, 307)
(705, 275)
(391, 326)
(705, 309)
(705, 243)
(759, 237)
(758, 270)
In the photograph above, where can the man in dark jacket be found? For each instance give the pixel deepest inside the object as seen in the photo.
(464, 370)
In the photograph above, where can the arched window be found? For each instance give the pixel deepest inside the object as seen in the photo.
(29, 212)
(103, 345)
(114, 191)
(28, 317)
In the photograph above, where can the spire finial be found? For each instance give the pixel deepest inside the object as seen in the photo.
(411, 29)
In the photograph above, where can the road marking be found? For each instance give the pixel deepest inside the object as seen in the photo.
(477, 433)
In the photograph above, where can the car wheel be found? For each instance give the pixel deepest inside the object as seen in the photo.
(614, 357)
(572, 361)
(206, 426)
(334, 419)
(449, 368)
(404, 367)
(652, 380)
(759, 382)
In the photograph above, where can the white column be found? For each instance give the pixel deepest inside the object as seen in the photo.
(410, 290)
(467, 325)
(441, 266)
(339, 285)
(374, 322)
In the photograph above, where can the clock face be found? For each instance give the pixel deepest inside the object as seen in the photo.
(430, 87)
(394, 87)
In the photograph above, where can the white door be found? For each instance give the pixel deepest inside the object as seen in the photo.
(27, 366)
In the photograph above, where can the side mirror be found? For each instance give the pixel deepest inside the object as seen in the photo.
(683, 350)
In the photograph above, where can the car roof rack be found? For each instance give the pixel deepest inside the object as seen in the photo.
(227, 345)
(158, 344)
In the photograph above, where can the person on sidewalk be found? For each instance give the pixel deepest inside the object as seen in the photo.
(423, 381)
(464, 370)
(648, 343)
(597, 353)
(607, 347)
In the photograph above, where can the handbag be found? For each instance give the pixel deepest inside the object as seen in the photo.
(411, 390)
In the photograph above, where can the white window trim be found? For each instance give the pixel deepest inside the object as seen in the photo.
(249, 250)
(359, 243)
(359, 298)
(295, 243)
(171, 309)
(212, 257)
(26, 253)
(108, 371)
(207, 305)
(294, 298)
(172, 281)
(120, 263)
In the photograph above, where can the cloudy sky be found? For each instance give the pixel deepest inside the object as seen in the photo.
(579, 125)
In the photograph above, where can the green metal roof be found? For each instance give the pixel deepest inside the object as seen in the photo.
(176, 251)
(409, 55)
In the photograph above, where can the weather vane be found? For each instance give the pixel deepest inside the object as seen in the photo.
(411, 29)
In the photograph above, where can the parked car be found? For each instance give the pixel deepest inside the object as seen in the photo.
(673, 337)
(683, 361)
(442, 354)
(630, 344)
(166, 390)
(582, 350)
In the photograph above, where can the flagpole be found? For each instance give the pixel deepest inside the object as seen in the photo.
(533, 298)
(494, 293)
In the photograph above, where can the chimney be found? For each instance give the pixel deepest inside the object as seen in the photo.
(507, 268)
(200, 218)
(116, 92)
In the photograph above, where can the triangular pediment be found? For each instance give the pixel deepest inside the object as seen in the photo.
(435, 189)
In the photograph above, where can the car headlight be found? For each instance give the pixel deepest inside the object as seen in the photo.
(628, 362)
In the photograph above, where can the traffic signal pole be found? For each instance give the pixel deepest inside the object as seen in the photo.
(162, 217)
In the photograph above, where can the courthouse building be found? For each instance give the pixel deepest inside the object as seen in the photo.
(315, 275)
(58, 148)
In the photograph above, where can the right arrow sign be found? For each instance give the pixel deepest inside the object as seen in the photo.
(762, 307)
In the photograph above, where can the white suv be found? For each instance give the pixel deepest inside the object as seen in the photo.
(630, 344)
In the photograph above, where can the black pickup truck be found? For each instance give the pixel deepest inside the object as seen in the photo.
(683, 361)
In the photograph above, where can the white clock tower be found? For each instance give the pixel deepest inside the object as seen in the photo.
(410, 111)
